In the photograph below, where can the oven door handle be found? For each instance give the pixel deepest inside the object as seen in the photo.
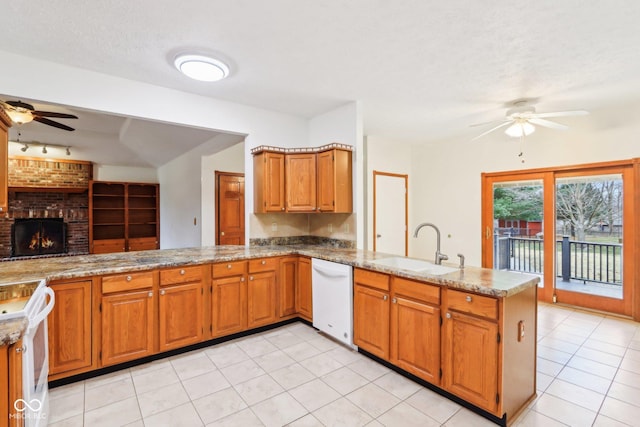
(45, 311)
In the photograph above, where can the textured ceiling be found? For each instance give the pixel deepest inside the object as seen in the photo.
(423, 70)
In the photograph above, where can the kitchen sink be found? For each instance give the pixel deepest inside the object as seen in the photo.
(417, 265)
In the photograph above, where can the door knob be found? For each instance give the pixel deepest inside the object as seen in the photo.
(222, 233)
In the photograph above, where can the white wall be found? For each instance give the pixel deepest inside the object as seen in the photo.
(124, 173)
(344, 125)
(180, 184)
(449, 173)
(385, 155)
(229, 160)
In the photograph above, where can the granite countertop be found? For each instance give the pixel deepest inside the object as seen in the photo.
(498, 284)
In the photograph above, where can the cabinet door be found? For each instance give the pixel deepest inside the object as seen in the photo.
(335, 181)
(229, 305)
(287, 286)
(371, 320)
(127, 326)
(304, 297)
(180, 315)
(415, 338)
(261, 296)
(326, 182)
(269, 191)
(69, 326)
(470, 359)
(301, 182)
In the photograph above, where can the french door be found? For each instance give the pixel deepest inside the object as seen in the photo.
(573, 227)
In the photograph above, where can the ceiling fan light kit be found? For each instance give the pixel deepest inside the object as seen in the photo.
(521, 128)
(201, 68)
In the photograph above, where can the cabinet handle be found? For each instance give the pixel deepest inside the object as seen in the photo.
(129, 278)
(161, 291)
(242, 279)
(468, 298)
(182, 272)
(281, 209)
(150, 294)
(385, 297)
(229, 266)
(448, 315)
(395, 301)
(263, 262)
(250, 277)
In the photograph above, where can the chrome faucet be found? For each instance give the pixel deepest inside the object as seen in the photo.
(439, 255)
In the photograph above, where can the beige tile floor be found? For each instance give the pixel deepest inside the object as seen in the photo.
(588, 375)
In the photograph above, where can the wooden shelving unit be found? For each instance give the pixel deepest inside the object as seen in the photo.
(123, 217)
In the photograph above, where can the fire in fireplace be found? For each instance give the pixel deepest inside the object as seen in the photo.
(38, 236)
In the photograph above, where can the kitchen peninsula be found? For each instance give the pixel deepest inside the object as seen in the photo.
(480, 323)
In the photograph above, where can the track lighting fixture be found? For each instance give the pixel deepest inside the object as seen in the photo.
(45, 147)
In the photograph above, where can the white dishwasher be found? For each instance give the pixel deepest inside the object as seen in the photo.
(332, 289)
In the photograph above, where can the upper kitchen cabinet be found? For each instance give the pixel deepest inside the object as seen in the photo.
(300, 171)
(5, 123)
(123, 217)
(303, 180)
(335, 178)
(268, 189)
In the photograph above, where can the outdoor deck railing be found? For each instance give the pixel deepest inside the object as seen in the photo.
(575, 260)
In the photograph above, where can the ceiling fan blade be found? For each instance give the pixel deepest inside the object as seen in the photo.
(53, 114)
(562, 114)
(20, 104)
(52, 123)
(503, 124)
(548, 124)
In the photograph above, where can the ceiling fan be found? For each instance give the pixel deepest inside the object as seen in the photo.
(21, 113)
(521, 119)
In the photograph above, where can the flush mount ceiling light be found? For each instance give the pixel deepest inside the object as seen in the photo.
(202, 68)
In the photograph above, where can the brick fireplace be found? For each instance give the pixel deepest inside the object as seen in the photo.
(48, 189)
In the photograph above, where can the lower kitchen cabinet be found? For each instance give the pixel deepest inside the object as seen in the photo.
(371, 312)
(229, 299)
(10, 384)
(181, 307)
(470, 359)
(415, 328)
(69, 324)
(304, 294)
(262, 306)
(287, 279)
(261, 299)
(128, 324)
(470, 348)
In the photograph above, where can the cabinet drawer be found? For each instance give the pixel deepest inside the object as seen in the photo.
(263, 264)
(225, 269)
(417, 290)
(474, 304)
(371, 279)
(127, 282)
(180, 275)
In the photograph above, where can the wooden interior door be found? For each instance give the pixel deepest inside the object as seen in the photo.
(229, 208)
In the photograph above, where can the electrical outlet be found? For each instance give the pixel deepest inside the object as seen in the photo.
(274, 226)
(330, 228)
(345, 227)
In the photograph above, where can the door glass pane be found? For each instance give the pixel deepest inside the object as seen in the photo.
(589, 232)
(517, 225)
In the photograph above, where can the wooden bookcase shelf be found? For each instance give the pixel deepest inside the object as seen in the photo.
(123, 216)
